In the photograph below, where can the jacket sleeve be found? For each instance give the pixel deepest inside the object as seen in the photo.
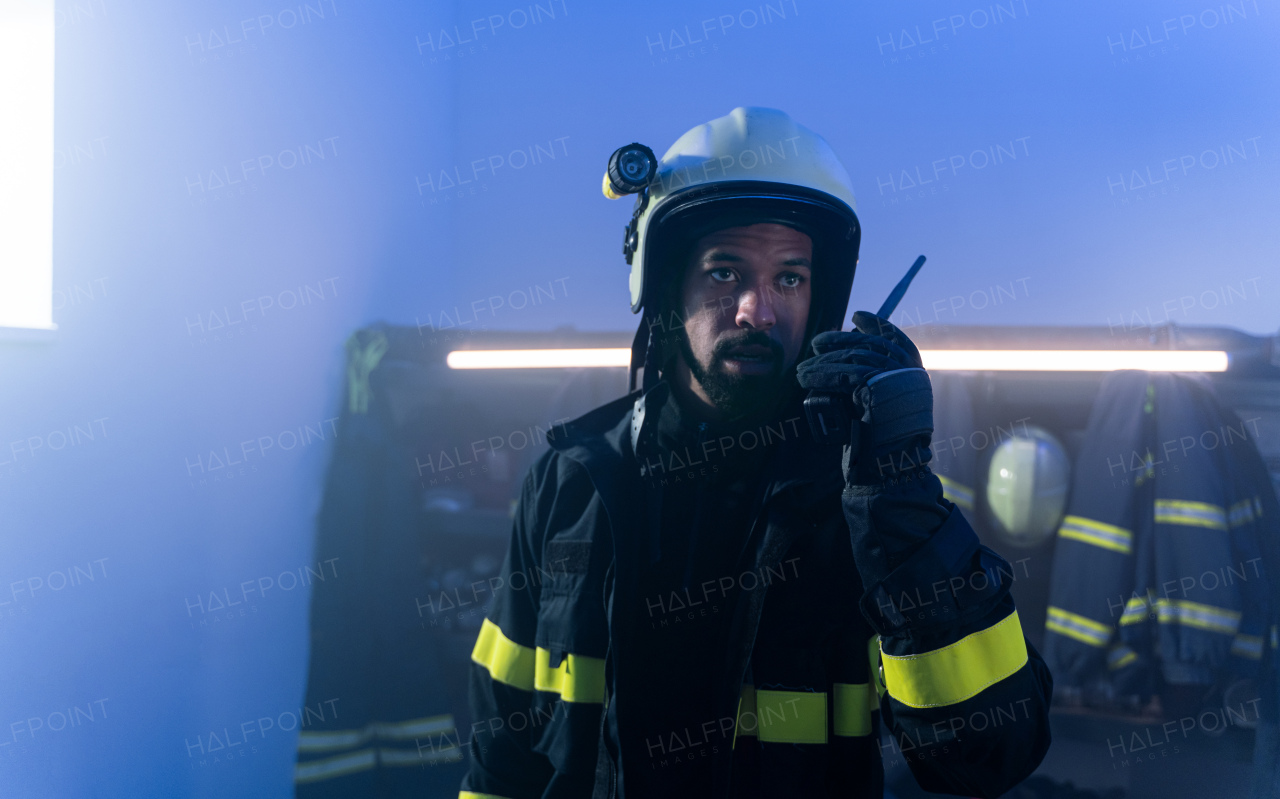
(504, 764)
(1098, 614)
(966, 696)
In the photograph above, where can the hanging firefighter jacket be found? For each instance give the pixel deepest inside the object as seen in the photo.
(1259, 639)
(1093, 562)
(1159, 559)
(1253, 525)
(811, 664)
(383, 675)
(1214, 616)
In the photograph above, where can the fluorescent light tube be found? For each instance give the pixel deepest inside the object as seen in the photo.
(1075, 360)
(537, 359)
(965, 360)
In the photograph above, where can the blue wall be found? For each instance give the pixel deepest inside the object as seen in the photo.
(241, 184)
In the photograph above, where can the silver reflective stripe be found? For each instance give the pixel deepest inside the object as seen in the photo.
(1240, 513)
(1120, 656)
(326, 741)
(1078, 627)
(1247, 646)
(416, 727)
(1136, 611)
(392, 731)
(1191, 514)
(409, 757)
(1194, 614)
(335, 766)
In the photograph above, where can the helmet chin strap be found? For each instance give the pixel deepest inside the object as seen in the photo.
(639, 345)
(644, 354)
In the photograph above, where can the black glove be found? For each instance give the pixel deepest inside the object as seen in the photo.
(908, 541)
(890, 400)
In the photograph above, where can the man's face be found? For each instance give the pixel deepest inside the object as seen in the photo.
(746, 294)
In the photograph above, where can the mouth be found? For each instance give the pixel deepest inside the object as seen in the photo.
(750, 353)
(750, 359)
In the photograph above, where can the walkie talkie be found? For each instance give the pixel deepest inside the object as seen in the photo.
(830, 413)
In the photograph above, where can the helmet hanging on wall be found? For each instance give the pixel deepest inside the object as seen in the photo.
(750, 166)
(1027, 484)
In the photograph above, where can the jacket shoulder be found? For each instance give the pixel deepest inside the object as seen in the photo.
(551, 474)
(593, 425)
(562, 484)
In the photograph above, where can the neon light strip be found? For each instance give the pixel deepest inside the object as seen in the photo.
(938, 360)
(537, 359)
(1076, 360)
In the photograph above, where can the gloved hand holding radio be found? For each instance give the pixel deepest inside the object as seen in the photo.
(905, 535)
(892, 502)
(890, 401)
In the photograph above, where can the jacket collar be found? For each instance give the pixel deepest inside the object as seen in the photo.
(602, 440)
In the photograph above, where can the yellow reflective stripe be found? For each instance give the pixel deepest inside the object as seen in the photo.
(1120, 656)
(506, 661)
(1094, 539)
(1191, 514)
(1247, 646)
(474, 795)
(1075, 626)
(578, 678)
(959, 671)
(350, 763)
(791, 717)
(1090, 531)
(959, 493)
(851, 708)
(1136, 611)
(1124, 660)
(328, 740)
(783, 717)
(1061, 629)
(1194, 614)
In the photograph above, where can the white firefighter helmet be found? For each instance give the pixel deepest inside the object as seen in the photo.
(752, 165)
(1027, 486)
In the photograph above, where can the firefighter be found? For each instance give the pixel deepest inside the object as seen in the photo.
(704, 597)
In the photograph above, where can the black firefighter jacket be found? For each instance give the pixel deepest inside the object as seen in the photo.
(813, 663)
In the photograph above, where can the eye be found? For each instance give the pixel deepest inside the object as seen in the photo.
(721, 274)
(791, 280)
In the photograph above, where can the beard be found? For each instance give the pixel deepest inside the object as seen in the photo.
(738, 396)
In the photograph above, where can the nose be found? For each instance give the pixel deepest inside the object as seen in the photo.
(754, 311)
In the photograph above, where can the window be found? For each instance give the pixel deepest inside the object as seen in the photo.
(26, 166)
